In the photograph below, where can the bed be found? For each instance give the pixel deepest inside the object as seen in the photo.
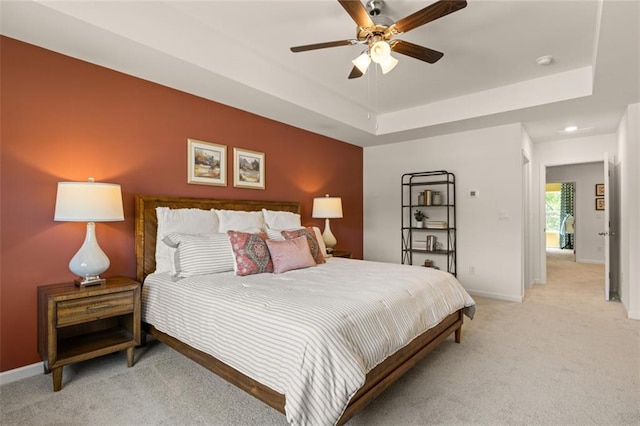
(357, 393)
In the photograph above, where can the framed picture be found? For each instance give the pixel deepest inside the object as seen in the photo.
(207, 163)
(600, 190)
(248, 169)
(599, 203)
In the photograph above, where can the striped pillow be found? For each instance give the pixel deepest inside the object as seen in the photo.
(200, 254)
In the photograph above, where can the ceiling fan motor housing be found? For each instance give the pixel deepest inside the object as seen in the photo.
(374, 7)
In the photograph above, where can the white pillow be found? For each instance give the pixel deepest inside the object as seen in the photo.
(323, 246)
(237, 220)
(281, 220)
(185, 221)
(200, 254)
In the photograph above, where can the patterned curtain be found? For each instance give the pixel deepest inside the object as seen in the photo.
(567, 198)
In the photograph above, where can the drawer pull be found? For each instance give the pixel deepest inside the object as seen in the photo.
(97, 307)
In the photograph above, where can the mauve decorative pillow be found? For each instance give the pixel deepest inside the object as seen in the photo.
(292, 254)
(251, 253)
(314, 246)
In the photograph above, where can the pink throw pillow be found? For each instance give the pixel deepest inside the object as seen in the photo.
(251, 253)
(314, 246)
(290, 254)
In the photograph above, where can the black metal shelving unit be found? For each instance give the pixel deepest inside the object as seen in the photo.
(444, 213)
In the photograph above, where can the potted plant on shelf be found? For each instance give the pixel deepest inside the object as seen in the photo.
(420, 217)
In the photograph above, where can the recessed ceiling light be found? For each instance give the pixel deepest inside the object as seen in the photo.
(575, 130)
(544, 60)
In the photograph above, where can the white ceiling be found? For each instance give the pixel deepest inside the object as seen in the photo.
(237, 53)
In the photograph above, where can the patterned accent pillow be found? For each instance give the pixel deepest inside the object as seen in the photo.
(314, 246)
(251, 253)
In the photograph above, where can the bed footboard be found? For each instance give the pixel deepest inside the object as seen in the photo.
(376, 382)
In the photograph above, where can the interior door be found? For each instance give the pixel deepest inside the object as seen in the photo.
(610, 240)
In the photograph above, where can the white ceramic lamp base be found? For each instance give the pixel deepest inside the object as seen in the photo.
(90, 261)
(329, 240)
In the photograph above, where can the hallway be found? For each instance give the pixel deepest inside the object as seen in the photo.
(571, 283)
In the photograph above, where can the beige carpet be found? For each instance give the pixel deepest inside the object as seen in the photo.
(563, 357)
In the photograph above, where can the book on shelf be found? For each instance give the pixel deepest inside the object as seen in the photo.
(440, 224)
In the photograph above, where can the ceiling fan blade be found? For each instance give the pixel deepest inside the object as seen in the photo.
(358, 13)
(419, 52)
(323, 45)
(355, 73)
(430, 13)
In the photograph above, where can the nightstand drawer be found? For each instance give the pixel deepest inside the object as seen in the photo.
(93, 308)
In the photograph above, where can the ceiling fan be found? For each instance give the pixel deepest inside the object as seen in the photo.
(378, 34)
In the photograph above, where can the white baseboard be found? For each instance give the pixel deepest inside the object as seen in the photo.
(20, 373)
(592, 261)
(498, 296)
(634, 315)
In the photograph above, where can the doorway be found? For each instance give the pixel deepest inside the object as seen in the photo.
(560, 216)
(587, 241)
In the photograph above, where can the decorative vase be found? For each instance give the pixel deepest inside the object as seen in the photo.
(437, 198)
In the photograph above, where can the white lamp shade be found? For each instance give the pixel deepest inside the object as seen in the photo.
(388, 64)
(380, 51)
(362, 62)
(88, 202)
(327, 207)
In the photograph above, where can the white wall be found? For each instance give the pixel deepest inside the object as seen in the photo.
(568, 151)
(589, 246)
(527, 217)
(629, 195)
(488, 161)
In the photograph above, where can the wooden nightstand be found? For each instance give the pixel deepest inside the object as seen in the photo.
(76, 324)
(340, 253)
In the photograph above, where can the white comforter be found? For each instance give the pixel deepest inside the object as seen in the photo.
(310, 334)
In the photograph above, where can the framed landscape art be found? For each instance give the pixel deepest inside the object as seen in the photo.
(207, 163)
(248, 169)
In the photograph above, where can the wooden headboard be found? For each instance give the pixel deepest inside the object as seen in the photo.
(147, 221)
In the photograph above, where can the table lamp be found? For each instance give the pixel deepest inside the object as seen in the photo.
(89, 202)
(327, 208)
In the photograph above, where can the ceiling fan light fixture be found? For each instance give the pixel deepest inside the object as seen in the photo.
(380, 51)
(388, 64)
(362, 62)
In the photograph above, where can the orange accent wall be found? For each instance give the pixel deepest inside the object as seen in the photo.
(66, 120)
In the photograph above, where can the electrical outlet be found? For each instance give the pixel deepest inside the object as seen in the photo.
(472, 270)
(474, 193)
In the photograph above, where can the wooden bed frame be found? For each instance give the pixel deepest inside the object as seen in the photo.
(377, 380)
